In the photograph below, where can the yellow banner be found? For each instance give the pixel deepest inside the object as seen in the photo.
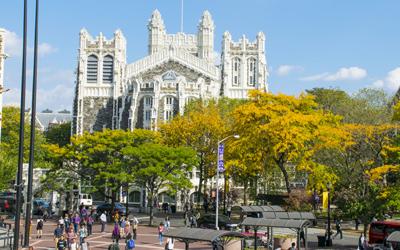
(325, 200)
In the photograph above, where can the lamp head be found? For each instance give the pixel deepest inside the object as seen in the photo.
(236, 136)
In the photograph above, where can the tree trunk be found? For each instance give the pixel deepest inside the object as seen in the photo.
(201, 179)
(365, 228)
(285, 175)
(113, 198)
(151, 202)
(245, 193)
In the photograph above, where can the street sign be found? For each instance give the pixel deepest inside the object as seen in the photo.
(221, 158)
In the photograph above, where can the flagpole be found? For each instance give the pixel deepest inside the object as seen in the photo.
(182, 16)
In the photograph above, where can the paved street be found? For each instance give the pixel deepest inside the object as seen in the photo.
(148, 239)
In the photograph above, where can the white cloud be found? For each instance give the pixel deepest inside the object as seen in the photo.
(284, 70)
(351, 73)
(13, 45)
(391, 81)
(55, 90)
(45, 49)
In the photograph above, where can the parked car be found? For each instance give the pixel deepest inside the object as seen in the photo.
(208, 221)
(106, 207)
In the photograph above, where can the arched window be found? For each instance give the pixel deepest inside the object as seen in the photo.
(108, 69)
(251, 71)
(236, 71)
(134, 197)
(92, 68)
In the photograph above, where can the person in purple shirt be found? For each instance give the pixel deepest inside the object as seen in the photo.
(76, 220)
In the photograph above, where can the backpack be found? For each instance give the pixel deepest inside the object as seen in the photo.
(131, 244)
(113, 247)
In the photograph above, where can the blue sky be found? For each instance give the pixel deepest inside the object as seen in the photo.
(310, 43)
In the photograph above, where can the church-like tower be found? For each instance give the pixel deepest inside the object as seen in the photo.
(244, 66)
(99, 83)
(205, 37)
(156, 29)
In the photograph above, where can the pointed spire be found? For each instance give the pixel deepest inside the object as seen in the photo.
(156, 20)
(206, 20)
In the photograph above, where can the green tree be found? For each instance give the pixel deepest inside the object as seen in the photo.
(59, 134)
(158, 168)
(9, 146)
(98, 158)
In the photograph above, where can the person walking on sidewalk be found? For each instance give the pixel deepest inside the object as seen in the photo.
(338, 229)
(135, 225)
(39, 229)
(103, 220)
(160, 233)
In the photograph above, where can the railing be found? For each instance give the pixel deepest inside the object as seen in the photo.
(6, 235)
(176, 54)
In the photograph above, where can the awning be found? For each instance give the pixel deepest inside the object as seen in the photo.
(276, 223)
(394, 237)
(289, 215)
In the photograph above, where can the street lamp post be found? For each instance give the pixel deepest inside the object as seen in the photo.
(329, 240)
(217, 177)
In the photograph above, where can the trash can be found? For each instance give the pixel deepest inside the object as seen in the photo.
(321, 240)
(173, 209)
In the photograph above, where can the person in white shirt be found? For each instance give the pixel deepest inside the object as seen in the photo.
(170, 243)
(103, 220)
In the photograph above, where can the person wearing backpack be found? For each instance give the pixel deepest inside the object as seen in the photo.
(115, 233)
(39, 228)
(130, 243)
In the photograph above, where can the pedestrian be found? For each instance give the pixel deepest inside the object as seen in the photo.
(127, 230)
(103, 220)
(229, 210)
(76, 220)
(122, 227)
(90, 222)
(71, 236)
(61, 243)
(82, 234)
(302, 238)
(61, 222)
(361, 242)
(135, 225)
(45, 214)
(160, 233)
(67, 222)
(193, 221)
(39, 228)
(170, 244)
(338, 229)
(167, 223)
(293, 247)
(58, 232)
(73, 245)
(115, 233)
(84, 245)
(130, 243)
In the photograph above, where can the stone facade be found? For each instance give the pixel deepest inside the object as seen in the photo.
(179, 67)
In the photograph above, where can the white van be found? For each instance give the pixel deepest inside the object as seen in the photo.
(85, 199)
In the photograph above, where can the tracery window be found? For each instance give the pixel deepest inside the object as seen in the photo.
(236, 71)
(108, 69)
(92, 68)
(251, 71)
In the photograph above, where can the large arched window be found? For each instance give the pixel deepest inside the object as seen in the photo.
(251, 71)
(134, 197)
(108, 69)
(92, 68)
(236, 71)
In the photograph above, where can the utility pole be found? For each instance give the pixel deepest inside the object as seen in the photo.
(21, 133)
(32, 139)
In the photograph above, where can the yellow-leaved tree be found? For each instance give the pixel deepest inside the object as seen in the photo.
(284, 131)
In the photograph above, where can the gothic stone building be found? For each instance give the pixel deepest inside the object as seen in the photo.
(110, 93)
